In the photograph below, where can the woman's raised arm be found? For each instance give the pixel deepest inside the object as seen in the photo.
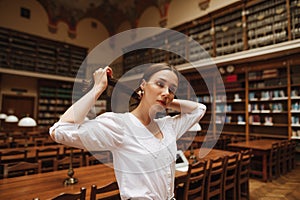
(78, 111)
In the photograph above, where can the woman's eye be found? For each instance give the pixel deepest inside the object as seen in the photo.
(172, 90)
(160, 84)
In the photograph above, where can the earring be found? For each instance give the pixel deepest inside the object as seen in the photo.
(141, 93)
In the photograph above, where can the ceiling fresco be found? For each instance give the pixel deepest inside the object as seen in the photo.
(111, 13)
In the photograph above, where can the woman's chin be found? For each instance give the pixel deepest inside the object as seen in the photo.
(158, 108)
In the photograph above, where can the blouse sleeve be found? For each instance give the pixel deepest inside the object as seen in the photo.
(183, 122)
(102, 133)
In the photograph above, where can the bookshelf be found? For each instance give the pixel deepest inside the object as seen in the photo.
(295, 98)
(268, 98)
(26, 52)
(54, 99)
(235, 28)
(262, 92)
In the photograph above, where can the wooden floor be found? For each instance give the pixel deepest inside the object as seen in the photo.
(286, 187)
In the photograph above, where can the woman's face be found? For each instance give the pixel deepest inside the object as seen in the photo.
(160, 90)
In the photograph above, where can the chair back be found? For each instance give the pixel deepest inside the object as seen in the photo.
(108, 192)
(10, 156)
(243, 174)
(195, 184)
(274, 161)
(91, 160)
(67, 196)
(47, 156)
(65, 162)
(230, 175)
(215, 177)
(72, 150)
(48, 152)
(292, 152)
(21, 168)
(283, 156)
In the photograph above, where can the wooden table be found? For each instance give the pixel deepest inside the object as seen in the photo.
(259, 148)
(50, 184)
(207, 153)
(47, 185)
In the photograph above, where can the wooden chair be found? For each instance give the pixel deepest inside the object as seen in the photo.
(230, 177)
(22, 141)
(194, 187)
(75, 151)
(21, 168)
(4, 145)
(91, 160)
(48, 142)
(39, 139)
(236, 139)
(274, 162)
(108, 192)
(67, 196)
(64, 163)
(47, 156)
(291, 155)
(13, 156)
(243, 174)
(214, 186)
(283, 157)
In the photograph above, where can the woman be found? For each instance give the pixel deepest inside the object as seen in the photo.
(143, 146)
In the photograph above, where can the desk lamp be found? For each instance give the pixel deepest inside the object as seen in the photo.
(26, 122)
(11, 119)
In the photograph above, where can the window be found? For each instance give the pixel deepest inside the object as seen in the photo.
(25, 12)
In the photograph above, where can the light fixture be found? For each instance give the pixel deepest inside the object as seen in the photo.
(3, 116)
(11, 119)
(27, 122)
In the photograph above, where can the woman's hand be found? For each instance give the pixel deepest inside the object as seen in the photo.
(100, 78)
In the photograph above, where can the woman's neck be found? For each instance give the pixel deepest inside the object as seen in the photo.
(142, 115)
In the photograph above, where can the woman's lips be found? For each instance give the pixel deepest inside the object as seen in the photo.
(162, 102)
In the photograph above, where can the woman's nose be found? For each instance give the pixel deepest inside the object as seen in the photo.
(166, 90)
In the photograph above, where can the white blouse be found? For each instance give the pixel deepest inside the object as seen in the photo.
(144, 165)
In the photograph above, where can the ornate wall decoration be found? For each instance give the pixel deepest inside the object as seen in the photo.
(111, 13)
(203, 4)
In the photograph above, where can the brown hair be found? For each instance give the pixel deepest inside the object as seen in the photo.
(156, 68)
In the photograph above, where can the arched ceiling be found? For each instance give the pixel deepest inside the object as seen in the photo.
(111, 13)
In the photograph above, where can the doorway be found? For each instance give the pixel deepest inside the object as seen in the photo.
(20, 106)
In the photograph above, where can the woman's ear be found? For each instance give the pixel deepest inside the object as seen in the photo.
(142, 85)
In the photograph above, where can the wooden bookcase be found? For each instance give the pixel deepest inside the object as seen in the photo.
(235, 98)
(262, 93)
(235, 28)
(261, 98)
(26, 52)
(54, 99)
(294, 114)
(268, 98)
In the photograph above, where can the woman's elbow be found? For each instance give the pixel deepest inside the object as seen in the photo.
(52, 135)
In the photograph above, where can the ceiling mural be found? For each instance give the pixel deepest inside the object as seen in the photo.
(111, 13)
